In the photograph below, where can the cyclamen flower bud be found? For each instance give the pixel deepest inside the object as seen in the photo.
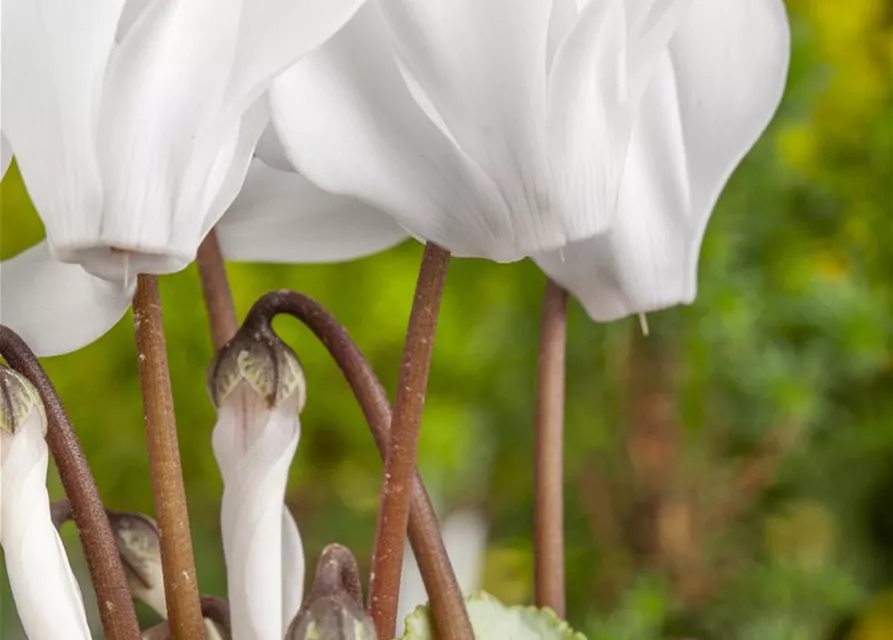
(44, 588)
(334, 609)
(258, 386)
(139, 546)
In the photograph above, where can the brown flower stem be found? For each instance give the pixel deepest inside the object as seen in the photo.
(400, 462)
(548, 474)
(447, 605)
(178, 563)
(106, 572)
(215, 287)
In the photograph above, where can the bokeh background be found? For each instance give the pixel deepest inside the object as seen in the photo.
(729, 477)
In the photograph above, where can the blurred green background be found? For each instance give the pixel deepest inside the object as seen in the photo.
(730, 477)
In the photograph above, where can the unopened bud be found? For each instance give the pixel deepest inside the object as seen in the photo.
(333, 609)
(264, 362)
(18, 401)
(136, 537)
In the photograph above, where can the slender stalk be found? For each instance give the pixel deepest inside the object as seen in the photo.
(215, 287)
(548, 475)
(412, 383)
(447, 605)
(106, 572)
(180, 586)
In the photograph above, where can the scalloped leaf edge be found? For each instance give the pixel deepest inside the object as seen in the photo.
(485, 610)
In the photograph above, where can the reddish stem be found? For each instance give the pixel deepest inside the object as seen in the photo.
(548, 477)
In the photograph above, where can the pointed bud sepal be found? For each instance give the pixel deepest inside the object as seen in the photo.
(259, 358)
(333, 609)
(18, 401)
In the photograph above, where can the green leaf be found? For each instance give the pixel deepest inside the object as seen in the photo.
(492, 619)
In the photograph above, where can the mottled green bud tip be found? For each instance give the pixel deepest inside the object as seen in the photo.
(333, 609)
(18, 399)
(264, 362)
(139, 546)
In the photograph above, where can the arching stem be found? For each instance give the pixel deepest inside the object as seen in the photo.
(447, 604)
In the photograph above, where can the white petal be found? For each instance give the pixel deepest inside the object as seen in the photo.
(483, 66)
(292, 568)
(270, 150)
(464, 535)
(54, 61)
(57, 307)
(273, 34)
(133, 11)
(348, 122)
(163, 86)
(280, 216)
(590, 118)
(564, 16)
(44, 588)
(254, 447)
(226, 175)
(5, 155)
(711, 97)
(651, 24)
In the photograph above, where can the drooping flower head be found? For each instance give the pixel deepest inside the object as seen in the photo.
(593, 136)
(711, 95)
(133, 122)
(495, 129)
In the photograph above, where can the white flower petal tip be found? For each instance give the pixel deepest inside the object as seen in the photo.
(492, 138)
(280, 216)
(56, 307)
(46, 594)
(258, 387)
(711, 95)
(131, 134)
(464, 533)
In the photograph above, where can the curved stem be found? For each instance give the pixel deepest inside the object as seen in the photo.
(217, 611)
(106, 572)
(215, 287)
(447, 605)
(548, 477)
(177, 560)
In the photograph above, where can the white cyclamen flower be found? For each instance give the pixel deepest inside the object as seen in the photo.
(133, 124)
(46, 594)
(712, 94)
(493, 128)
(387, 113)
(258, 388)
